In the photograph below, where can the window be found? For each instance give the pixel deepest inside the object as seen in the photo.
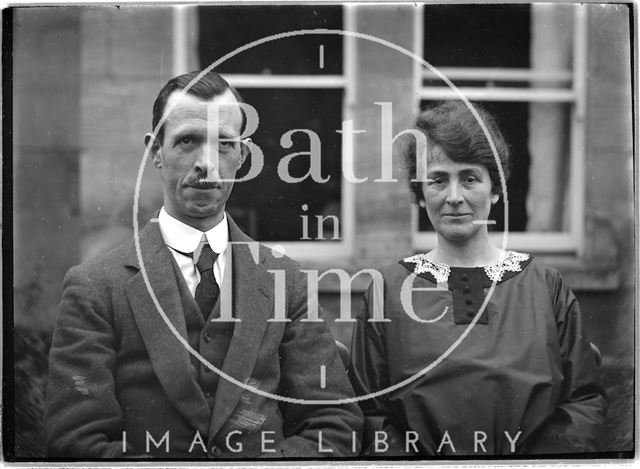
(299, 82)
(525, 63)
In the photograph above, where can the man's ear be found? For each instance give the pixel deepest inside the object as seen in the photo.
(154, 151)
(494, 198)
(244, 151)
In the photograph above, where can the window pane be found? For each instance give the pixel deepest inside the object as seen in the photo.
(225, 28)
(477, 35)
(270, 209)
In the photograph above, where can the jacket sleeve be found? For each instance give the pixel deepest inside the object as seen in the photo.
(321, 429)
(369, 374)
(575, 425)
(82, 416)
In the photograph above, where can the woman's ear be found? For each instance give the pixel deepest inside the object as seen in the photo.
(494, 198)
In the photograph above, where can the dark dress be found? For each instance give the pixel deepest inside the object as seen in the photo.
(523, 365)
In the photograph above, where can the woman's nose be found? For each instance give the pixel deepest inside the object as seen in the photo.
(454, 197)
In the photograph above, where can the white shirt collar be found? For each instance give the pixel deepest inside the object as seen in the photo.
(185, 238)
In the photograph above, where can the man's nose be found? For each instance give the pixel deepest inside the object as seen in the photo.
(454, 197)
(207, 162)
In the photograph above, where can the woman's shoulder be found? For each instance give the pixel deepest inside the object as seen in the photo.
(542, 268)
(396, 269)
(510, 265)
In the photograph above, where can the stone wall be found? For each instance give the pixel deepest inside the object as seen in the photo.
(46, 92)
(127, 56)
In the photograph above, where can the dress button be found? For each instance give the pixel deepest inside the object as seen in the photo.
(216, 451)
(470, 313)
(464, 277)
(207, 394)
(206, 337)
(467, 289)
(469, 301)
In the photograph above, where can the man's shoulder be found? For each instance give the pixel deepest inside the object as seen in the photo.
(270, 257)
(106, 263)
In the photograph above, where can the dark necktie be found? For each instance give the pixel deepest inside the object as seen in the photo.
(207, 290)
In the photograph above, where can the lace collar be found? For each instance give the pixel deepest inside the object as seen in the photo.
(513, 262)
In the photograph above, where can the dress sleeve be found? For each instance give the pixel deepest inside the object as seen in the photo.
(574, 426)
(369, 373)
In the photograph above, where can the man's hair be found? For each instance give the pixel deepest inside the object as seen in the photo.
(206, 88)
(451, 126)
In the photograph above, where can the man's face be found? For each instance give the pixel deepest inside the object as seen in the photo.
(193, 162)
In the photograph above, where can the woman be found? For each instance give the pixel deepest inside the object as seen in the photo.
(523, 378)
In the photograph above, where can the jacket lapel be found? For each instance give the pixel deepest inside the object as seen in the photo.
(169, 357)
(252, 304)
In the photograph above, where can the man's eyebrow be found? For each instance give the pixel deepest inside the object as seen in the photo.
(181, 132)
(228, 132)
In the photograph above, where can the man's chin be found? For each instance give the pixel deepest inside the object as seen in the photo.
(200, 212)
(205, 212)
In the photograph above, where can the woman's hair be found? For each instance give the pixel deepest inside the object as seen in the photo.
(451, 126)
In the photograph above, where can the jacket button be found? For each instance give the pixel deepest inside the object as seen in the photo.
(206, 337)
(467, 289)
(469, 301)
(464, 277)
(216, 451)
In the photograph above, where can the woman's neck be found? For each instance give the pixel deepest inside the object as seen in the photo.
(474, 252)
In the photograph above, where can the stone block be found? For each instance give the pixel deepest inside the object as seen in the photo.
(46, 231)
(141, 43)
(96, 40)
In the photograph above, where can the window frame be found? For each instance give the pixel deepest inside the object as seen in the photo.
(184, 17)
(571, 241)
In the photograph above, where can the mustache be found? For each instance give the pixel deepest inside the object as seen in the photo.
(204, 182)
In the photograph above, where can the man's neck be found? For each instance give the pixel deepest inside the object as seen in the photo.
(200, 224)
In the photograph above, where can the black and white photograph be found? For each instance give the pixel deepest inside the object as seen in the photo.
(317, 233)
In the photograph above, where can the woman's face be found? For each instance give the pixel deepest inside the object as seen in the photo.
(458, 196)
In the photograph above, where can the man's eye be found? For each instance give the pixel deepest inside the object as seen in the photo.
(227, 143)
(186, 140)
(470, 179)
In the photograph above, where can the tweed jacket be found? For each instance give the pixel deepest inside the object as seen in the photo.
(121, 382)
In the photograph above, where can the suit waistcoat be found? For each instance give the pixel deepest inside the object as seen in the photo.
(210, 339)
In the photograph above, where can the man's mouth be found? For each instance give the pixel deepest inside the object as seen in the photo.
(205, 185)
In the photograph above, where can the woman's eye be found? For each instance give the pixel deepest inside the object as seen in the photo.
(186, 140)
(471, 179)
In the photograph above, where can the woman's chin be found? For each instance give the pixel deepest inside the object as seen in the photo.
(458, 234)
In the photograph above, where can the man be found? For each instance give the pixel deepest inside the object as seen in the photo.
(123, 384)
